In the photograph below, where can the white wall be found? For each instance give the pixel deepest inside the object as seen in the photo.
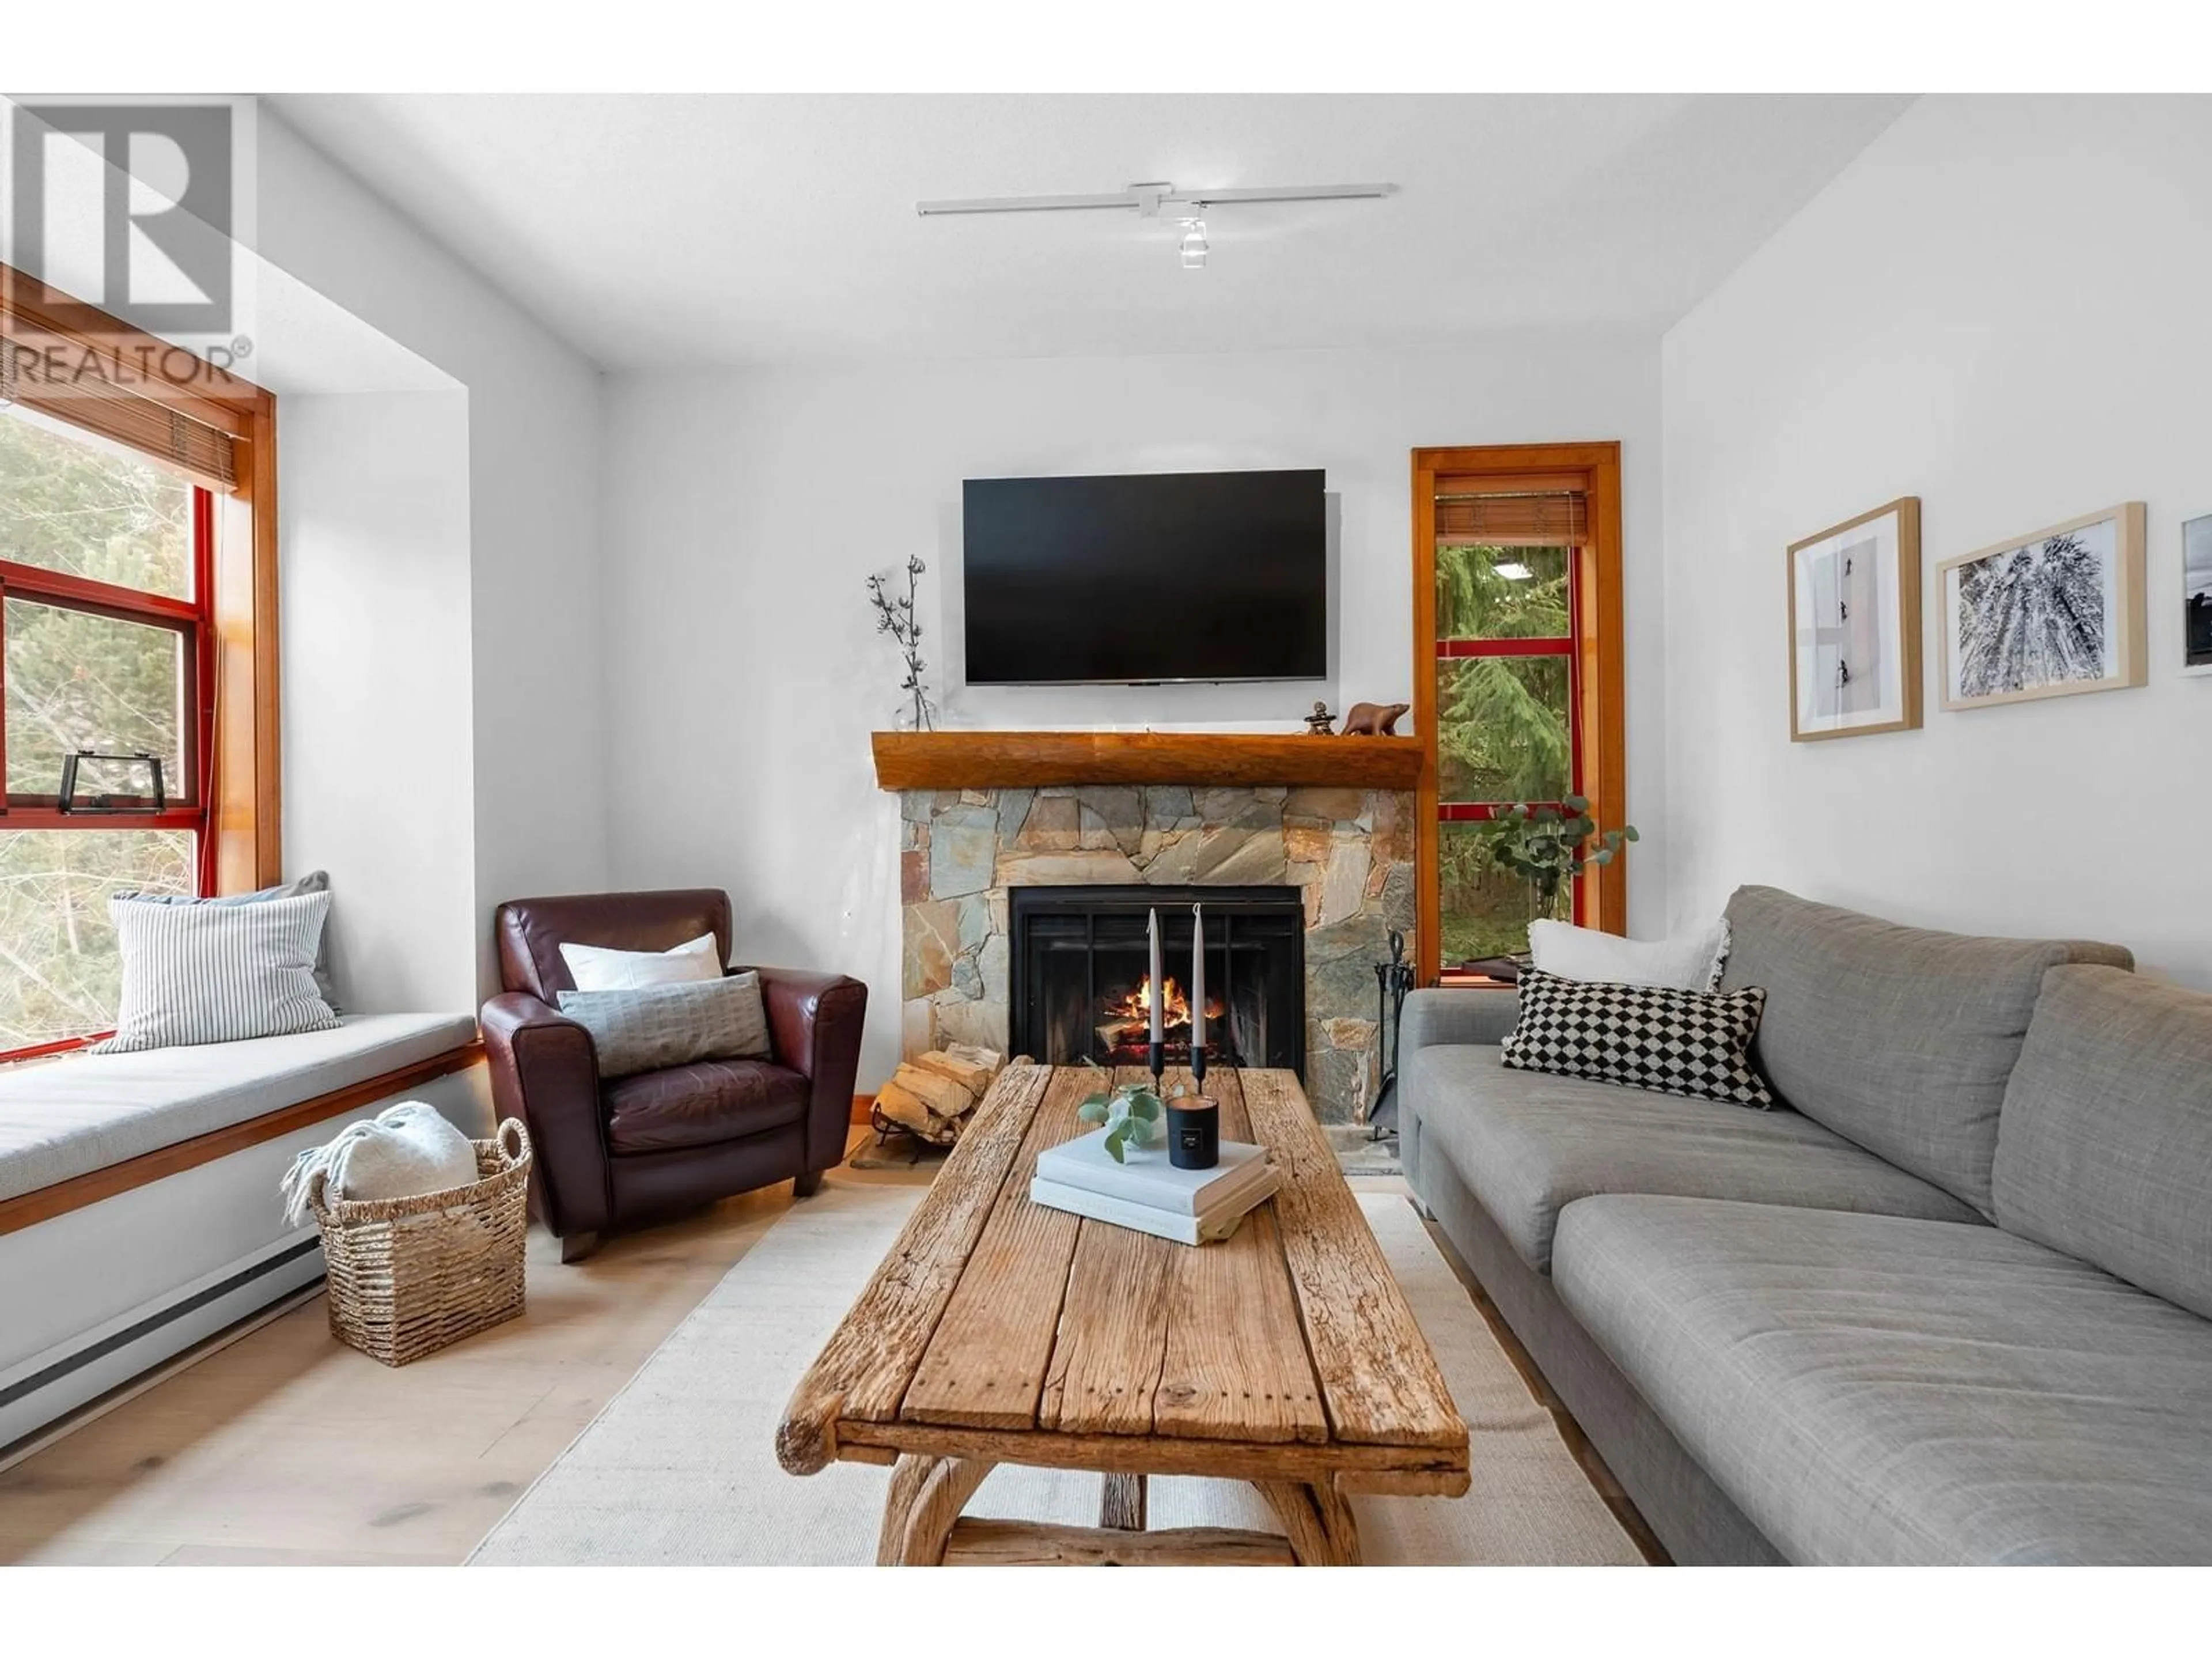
(742, 510)
(438, 489)
(373, 504)
(1999, 307)
(534, 697)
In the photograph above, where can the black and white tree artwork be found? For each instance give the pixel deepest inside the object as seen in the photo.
(2196, 591)
(2036, 616)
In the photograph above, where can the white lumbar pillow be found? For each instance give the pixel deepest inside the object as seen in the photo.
(1691, 962)
(595, 968)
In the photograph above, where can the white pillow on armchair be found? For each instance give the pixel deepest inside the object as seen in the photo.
(597, 968)
(1690, 961)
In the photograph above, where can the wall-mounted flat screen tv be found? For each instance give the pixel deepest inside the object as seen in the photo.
(1139, 578)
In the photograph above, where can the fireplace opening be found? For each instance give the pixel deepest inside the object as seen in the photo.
(1081, 974)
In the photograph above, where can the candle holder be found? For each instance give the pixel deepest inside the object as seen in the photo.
(1193, 1131)
(1156, 1054)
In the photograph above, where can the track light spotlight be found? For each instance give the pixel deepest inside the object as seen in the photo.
(1194, 245)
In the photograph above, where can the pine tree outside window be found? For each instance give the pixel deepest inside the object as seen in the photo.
(107, 644)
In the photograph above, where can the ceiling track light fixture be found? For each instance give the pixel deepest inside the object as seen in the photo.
(1193, 245)
(1146, 201)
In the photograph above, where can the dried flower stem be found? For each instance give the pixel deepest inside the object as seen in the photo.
(895, 616)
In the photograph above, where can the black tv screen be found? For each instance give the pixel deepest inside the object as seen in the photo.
(1143, 577)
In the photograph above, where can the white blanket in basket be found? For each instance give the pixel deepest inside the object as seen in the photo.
(402, 1152)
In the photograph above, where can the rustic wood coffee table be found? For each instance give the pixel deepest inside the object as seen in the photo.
(997, 1331)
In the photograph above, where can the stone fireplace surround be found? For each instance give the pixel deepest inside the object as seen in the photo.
(1348, 850)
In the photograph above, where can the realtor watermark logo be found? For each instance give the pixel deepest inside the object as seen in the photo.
(138, 209)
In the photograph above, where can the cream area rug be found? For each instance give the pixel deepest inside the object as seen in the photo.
(680, 1468)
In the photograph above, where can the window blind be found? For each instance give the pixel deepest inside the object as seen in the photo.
(98, 405)
(1545, 518)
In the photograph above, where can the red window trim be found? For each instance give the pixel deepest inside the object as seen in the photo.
(194, 619)
(1510, 647)
(1461, 649)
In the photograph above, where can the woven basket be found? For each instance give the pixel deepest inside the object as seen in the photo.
(409, 1276)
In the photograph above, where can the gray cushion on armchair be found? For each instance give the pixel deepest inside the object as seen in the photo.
(650, 1028)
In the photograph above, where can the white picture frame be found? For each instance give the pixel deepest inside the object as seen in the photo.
(1854, 626)
(2055, 614)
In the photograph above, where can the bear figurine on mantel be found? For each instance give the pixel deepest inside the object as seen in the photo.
(1373, 720)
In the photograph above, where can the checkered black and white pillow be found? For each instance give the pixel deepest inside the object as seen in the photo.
(1673, 1042)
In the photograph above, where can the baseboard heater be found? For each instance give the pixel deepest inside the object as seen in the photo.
(51, 1388)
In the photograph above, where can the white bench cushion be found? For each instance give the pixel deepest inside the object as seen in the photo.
(67, 1117)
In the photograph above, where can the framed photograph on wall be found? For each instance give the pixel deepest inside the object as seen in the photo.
(2048, 615)
(2196, 596)
(1854, 626)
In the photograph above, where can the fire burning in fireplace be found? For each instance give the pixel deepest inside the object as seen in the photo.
(1125, 1021)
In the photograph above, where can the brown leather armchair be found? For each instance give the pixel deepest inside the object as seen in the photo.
(609, 1155)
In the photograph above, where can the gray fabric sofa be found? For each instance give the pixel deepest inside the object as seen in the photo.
(1951, 1301)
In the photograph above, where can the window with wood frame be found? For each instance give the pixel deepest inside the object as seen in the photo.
(137, 647)
(1517, 690)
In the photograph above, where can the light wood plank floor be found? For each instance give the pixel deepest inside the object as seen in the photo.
(284, 1447)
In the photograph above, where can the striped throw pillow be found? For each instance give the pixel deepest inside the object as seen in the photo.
(218, 973)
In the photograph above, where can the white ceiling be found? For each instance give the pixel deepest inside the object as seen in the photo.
(665, 231)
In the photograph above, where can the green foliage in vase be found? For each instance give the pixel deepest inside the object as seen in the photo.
(1132, 1115)
(1548, 846)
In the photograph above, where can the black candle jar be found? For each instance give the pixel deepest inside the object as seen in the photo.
(1193, 1132)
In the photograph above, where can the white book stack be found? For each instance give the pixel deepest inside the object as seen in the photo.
(1149, 1193)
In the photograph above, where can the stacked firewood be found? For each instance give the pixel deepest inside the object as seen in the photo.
(932, 1095)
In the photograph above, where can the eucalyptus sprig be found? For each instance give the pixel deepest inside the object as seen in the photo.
(1547, 846)
(1132, 1115)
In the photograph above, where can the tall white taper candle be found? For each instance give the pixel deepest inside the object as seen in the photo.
(1197, 976)
(1158, 991)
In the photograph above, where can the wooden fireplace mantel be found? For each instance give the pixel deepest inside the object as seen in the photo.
(999, 760)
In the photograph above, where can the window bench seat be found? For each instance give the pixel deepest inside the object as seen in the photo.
(69, 1117)
(138, 1204)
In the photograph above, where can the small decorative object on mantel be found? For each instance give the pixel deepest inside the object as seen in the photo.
(1374, 720)
(1321, 723)
(1548, 846)
(897, 618)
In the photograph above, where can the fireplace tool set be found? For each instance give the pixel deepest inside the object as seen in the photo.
(1393, 980)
